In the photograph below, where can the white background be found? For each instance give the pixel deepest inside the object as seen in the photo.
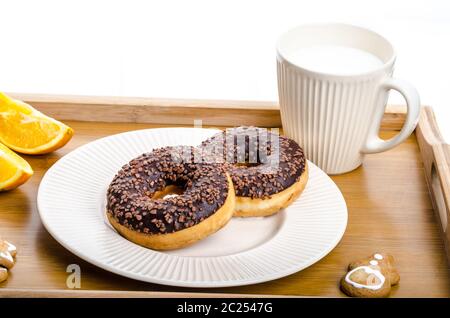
(202, 49)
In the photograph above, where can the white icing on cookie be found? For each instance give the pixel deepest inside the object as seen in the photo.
(378, 256)
(373, 262)
(368, 270)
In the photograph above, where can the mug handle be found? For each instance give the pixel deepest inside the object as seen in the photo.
(374, 143)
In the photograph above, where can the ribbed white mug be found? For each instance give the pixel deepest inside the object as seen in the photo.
(334, 117)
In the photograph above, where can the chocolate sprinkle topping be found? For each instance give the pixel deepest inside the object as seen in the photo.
(261, 163)
(204, 185)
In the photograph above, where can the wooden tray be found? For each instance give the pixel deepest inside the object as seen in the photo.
(391, 207)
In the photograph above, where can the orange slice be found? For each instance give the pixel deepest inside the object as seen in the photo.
(14, 170)
(28, 131)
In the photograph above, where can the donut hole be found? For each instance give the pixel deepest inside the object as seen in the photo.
(168, 192)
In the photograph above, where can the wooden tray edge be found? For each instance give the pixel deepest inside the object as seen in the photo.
(436, 160)
(57, 293)
(173, 111)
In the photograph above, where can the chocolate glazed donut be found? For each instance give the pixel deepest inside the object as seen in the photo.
(268, 171)
(164, 200)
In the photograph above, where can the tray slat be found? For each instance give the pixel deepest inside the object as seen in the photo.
(164, 111)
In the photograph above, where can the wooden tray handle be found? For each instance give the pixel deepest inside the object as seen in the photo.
(436, 160)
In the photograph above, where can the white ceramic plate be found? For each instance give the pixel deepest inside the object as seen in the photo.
(71, 203)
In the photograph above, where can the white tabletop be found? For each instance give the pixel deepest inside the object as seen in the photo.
(203, 49)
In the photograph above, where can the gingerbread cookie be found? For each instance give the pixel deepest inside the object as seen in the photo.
(371, 277)
(3, 274)
(5, 246)
(7, 253)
